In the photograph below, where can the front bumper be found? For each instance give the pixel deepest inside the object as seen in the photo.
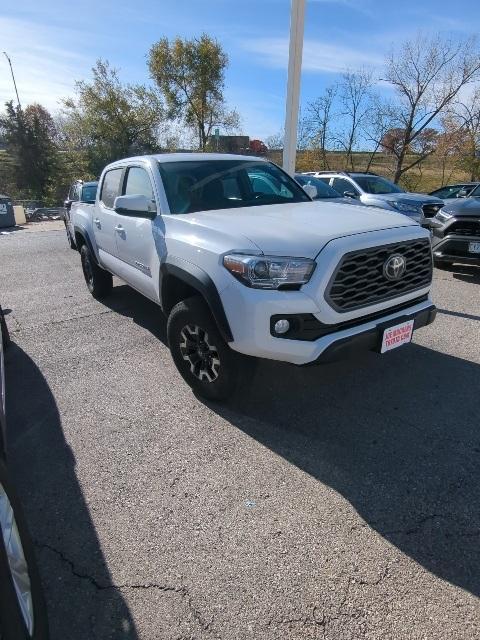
(370, 339)
(455, 249)
(251, 326)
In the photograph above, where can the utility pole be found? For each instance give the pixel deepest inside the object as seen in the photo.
(297, 20)
(13, 78)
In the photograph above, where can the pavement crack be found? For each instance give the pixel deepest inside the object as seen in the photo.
(182, 591)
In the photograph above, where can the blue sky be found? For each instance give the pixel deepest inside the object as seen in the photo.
(52, 43)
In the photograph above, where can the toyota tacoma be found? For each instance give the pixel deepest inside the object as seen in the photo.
(243, 270)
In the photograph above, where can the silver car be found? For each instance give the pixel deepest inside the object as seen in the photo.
(22, 608)
(375, 191)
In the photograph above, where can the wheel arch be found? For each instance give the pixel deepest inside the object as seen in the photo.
(180, 279)
(81, 238)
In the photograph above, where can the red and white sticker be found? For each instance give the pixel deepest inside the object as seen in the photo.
(394, 337)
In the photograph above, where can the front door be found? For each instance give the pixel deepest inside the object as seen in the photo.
(136, 249)
(105, 219)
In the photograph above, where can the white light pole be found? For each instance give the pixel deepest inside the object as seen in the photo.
(297, 20)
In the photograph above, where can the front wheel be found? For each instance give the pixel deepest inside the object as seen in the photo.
(201, 355)
(99, 281)
(23, 614)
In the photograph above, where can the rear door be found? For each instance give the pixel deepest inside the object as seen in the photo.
(136, 248)
(105, 219)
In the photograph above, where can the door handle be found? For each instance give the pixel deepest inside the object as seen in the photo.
(119, 228)
(97, 222)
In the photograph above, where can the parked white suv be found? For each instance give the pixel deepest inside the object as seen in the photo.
(243, 269)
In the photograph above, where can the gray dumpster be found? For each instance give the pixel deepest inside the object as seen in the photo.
(7, 217)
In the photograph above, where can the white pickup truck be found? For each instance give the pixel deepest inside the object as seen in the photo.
(244, 263)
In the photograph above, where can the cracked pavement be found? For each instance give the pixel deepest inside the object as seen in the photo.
(338, 502)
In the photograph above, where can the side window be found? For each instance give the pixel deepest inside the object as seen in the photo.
(341, 185)
(73, 193)
(138, 183)
(111, 187)
(231, 190)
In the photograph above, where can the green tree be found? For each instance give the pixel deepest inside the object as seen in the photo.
(30, 140)
(108, 120)
(190, 74)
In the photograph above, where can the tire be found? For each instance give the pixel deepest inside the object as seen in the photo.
(4, 328)
(99, 281)
(441, 264)
(201, 355)
(13, 624)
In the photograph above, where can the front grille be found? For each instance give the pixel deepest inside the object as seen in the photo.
(465, 228)
(359, 280)
(431, 209)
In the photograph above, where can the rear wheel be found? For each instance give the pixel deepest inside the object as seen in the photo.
(99, 281)
(23, 614)
(201, 355)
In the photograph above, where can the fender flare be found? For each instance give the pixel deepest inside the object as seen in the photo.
(84, 233)
(199, 280)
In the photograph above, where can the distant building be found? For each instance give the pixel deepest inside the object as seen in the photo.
(229, 144)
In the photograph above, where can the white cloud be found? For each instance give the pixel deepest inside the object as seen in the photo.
(44, 62)
(317, 56)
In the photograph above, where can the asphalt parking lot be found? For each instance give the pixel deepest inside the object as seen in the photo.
(335, 502)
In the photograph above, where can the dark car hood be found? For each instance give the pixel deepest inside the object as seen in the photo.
(464, 207)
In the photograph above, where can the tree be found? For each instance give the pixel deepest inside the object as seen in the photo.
(257, 146)
(108, 120)
(30, 140)
(320, 115)
(462, 122)
(376, 127)
(190, 74)
(427, 75)
(355, 96)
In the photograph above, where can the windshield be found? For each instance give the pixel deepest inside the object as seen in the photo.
(323, 190)
(205, 185)
(376, 184)
(89, 192)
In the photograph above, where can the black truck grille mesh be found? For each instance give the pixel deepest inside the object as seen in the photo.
(465, 228)
(359, 280)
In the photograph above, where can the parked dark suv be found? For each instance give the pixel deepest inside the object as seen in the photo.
(456, 235)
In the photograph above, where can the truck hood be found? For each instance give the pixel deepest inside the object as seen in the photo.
(463, 207)
(299, 229)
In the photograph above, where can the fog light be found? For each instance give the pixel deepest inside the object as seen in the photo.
(281, 326)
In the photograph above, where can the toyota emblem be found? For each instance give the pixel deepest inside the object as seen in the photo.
(394, 267)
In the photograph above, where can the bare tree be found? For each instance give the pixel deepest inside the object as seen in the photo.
(320, 116)
(376, 125)
(355, 97)
(463, 119)
(427, 75)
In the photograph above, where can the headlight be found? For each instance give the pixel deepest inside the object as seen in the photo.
(269, 272)
(405, 207)
(443, 216)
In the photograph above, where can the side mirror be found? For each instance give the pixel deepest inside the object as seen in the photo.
(463, 193)
(349, 194)
(68, 204)
(137, 206)
(310, 190)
